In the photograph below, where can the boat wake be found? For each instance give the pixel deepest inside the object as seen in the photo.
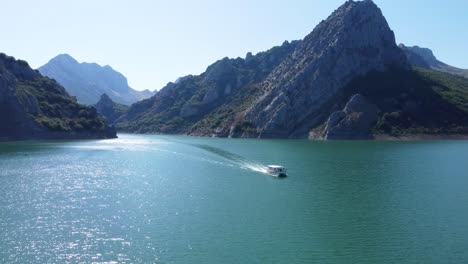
(235, 159)
(229, 159)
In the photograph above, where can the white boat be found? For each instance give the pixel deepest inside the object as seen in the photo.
(277, 171)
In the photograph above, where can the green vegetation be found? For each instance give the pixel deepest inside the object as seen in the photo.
(415, 102)
(109, 109)
(52, 107)
(209, 115)
(227, 113)
(211, 101)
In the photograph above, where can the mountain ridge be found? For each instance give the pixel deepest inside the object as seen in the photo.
(88, 81)
(352, 41)
(425, 58)
(298, 62)
(195, 96)
(302, 89)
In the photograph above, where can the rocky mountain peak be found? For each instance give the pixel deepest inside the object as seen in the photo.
(425, 58)
(109, 109)
(355, 40)
(105, 99)
(219, 69)
(18, 68)
(355, 25)
(64, 58)
(300, 88)
(88, 81)
(425, 53)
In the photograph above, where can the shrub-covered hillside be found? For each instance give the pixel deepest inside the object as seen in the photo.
(200, 104)
(35, 107)
(418, 101)
(109, 109)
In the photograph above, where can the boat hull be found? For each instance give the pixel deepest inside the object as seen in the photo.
(278, 175)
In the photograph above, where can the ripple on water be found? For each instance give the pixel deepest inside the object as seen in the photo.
(146, 199)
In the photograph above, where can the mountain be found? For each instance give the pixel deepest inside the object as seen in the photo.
(109, 109)
(399, 103)
(88, 81)
(424, 58)
(36, 107)
(353, 41)
(346, 80)
(208, 99)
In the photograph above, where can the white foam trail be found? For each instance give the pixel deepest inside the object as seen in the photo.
(234, 160)
(256, 167)
(192, 157)
(139, 144)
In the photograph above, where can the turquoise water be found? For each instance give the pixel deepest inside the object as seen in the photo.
(170, 199)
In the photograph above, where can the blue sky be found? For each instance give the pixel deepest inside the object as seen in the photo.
(153, 42)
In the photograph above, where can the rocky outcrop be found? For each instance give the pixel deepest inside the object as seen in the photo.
(194, 103)
(293, 89)
(35, 107)
(353, 122)
(109, 109)
(353, 41)
(424, 58)
(283, 92)
(88, 81)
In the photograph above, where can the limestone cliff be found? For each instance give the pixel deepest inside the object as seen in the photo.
(302, 87)
(353, 41)
(355, 121)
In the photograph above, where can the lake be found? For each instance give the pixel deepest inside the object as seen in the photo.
(175, 199)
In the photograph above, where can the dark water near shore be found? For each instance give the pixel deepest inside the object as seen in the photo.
(169, 199)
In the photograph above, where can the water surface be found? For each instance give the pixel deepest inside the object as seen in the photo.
(170, 199)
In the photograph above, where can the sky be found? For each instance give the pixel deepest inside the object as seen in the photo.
(153, 42)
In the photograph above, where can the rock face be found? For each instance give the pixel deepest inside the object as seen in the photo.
(353, 41)
(353, 122)
(279, 93)
(109, 109)
(88, 81)
(291, 90)
(424, 58)
(35, 107)
(205, 103)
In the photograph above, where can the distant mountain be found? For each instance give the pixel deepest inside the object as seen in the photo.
(88, 81)
(346, 80)
(36, 107)
(424, 58)
(109, 109)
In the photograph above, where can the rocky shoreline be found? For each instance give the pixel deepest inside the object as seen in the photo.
(420, 137)
(371, 137)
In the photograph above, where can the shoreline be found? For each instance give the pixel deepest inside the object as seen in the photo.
(378, 137)
(420, 137)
